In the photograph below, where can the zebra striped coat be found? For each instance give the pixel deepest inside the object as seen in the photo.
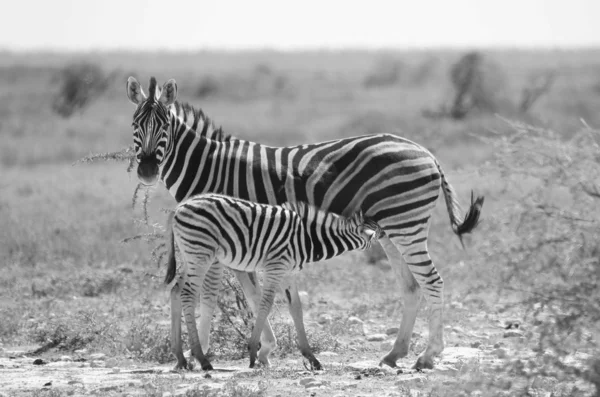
(213, 229)
(393, 181)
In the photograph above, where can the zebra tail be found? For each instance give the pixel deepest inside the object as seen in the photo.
(471, 219)
(171, 265)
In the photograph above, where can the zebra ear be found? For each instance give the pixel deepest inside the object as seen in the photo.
(134, 91)
(360, 216)
(369, 233)
(169, 93)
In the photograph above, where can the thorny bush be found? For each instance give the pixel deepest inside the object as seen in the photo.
(547, 244)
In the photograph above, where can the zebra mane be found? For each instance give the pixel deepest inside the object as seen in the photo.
(200, 123)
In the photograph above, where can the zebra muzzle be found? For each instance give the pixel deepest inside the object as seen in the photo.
(148, 172)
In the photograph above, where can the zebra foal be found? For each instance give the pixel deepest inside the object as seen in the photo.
(213, 230)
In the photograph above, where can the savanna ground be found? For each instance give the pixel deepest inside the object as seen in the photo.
(81, 312)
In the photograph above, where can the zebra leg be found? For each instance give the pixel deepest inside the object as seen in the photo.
(176, 326)
(411, 293)
(424, 271)
(253, 293)
(193, 279)
(295, 307)
(208, 302)
(272, 282)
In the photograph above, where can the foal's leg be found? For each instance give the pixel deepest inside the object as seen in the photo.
(273, 275)
(208, 302)
(290, 288)
(193, 279)
(176, 326)
(253, 293)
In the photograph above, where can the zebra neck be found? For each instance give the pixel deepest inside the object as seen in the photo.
(186, 147)
(194, 165)
(329, 236)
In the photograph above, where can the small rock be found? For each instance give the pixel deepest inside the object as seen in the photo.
(309, 383)
(98, 356)
(446, 370)
(47, 384)
(97, 363)
(385, 346)
(410, 379)
(167, 394)
(414, 393)
(376, 337)
(66, 358)
(305, 381)
(354, 320)
(475, 344)
(362, 365)
(81, 351)
(512, 324)
(498, 345)
(346, 385)
(500, 353)
(392, 331)
(39, 361)
(327, 353)
(513, 333)
(324, 318)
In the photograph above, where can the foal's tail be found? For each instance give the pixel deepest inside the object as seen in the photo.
(171, 265)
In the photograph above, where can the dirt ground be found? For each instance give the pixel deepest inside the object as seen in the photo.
(474, 356)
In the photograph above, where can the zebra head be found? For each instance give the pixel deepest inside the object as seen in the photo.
(151, 123)
(367, 229)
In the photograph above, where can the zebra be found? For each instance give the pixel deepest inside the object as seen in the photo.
(217, 230)
(392, 180)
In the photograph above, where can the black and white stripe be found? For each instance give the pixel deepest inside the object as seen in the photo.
(246, 236)
(393, 181)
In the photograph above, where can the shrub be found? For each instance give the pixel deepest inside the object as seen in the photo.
(80, 84)
(547, 245)
(539, 85)
(86, 329)
(208, 86)
(477, 82)
(386, 72)
(147, 341)
(261, 82)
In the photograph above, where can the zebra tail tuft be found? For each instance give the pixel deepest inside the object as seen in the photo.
(171, 264)
(471, 219)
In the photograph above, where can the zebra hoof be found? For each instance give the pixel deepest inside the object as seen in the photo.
(423, 362)
(388, 362)
(182, 365)
(207, 366)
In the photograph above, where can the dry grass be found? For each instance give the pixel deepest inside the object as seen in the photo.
(63, 225)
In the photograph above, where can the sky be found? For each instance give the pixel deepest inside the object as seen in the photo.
(74, 25)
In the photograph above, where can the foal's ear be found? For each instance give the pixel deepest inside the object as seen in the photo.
(169, 93)
(134, 91)
(369, 233)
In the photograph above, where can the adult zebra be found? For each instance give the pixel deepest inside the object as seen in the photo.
(217, 230)
(392, 180)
